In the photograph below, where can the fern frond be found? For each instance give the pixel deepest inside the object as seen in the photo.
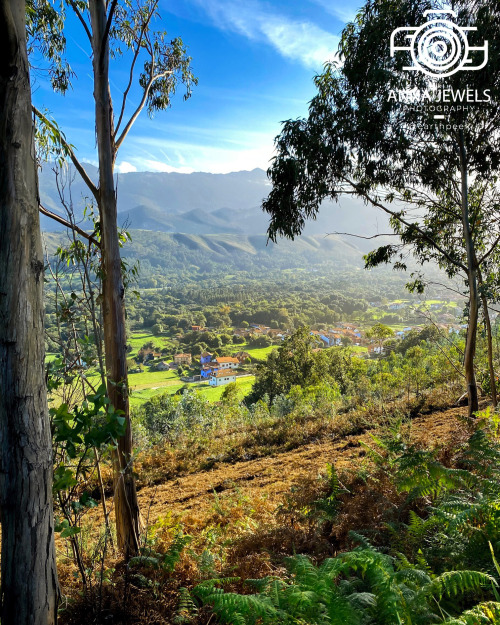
(173, 554)
(186, 609)
(453, 583)
(414, 576)
(360, 539)
(487, 613)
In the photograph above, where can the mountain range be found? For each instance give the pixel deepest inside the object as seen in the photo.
(200, 204)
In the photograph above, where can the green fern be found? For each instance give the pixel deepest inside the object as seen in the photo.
(186, 609)
(173, 554)
(483, 614)
(360, 587)
(456, 583)
(167, 561)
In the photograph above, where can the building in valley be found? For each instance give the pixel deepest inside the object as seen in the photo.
(221, 377)
(183, 359)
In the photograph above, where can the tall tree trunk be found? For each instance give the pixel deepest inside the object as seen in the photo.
(470, 345)
(113, 292)
(29, 588)
(489, 338)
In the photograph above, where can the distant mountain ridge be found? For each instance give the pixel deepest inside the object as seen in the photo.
(176, 253)
(172, 193)
(202, 204)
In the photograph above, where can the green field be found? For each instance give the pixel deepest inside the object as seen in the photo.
(359, 349)
(138, 339)
(211, 393)
(148, 379)
(259, 353)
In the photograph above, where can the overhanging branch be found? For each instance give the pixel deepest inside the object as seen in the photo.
(362, 193)
(69, 150)
(68, 224)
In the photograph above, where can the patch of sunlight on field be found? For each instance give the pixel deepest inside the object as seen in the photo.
(211, 393)
(148, 379)
(137, 339)
(259, 353)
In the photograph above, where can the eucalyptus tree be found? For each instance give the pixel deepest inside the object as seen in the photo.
(29, 588)
(123, 31)
(405, 119)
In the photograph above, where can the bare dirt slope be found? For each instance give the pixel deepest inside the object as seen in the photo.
(276, 474)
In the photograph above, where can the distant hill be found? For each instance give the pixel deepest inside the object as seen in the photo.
(202, 204)
(180, 255)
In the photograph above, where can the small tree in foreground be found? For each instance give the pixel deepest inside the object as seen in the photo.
(122, 29)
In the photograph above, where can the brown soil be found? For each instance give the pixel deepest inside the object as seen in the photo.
(255, 507)
(276, 474)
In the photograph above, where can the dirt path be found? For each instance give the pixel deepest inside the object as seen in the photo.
(276, 474)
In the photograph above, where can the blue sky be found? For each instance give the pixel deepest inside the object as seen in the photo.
(255, 61)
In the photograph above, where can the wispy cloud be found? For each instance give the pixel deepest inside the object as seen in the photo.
(201, 157)
(147, 164)
(345, 13)
(299, 40)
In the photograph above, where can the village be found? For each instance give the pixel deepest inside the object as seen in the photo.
(219, 367)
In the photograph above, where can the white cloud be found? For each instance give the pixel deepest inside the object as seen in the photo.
(294, 39)
(146, 164)
(211, 159)
(339, 9)
(124, 167)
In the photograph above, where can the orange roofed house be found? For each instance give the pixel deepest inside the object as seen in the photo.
(241, 357)
(227, 362)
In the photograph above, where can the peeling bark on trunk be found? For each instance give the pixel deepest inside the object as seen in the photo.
(470, 345)
(29, 588)
(113, 292)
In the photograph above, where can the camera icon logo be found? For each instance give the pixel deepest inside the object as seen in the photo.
(439, 48)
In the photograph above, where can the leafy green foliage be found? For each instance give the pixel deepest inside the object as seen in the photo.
(462, 527)
(294, 363)
(166, 561)
(46, 41)
(78, 437)
(93, 424)
(359, 587)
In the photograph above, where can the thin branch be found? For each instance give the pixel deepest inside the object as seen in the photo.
(67, 224)
(138, 110)
(359, 236)
(106, 31)
(79, 167)
(131, 77)
(397, 216)
(144, 27)
(492, 249)
(81, 18)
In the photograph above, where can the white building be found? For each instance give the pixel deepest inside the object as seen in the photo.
(227, 362)
(220, 377)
